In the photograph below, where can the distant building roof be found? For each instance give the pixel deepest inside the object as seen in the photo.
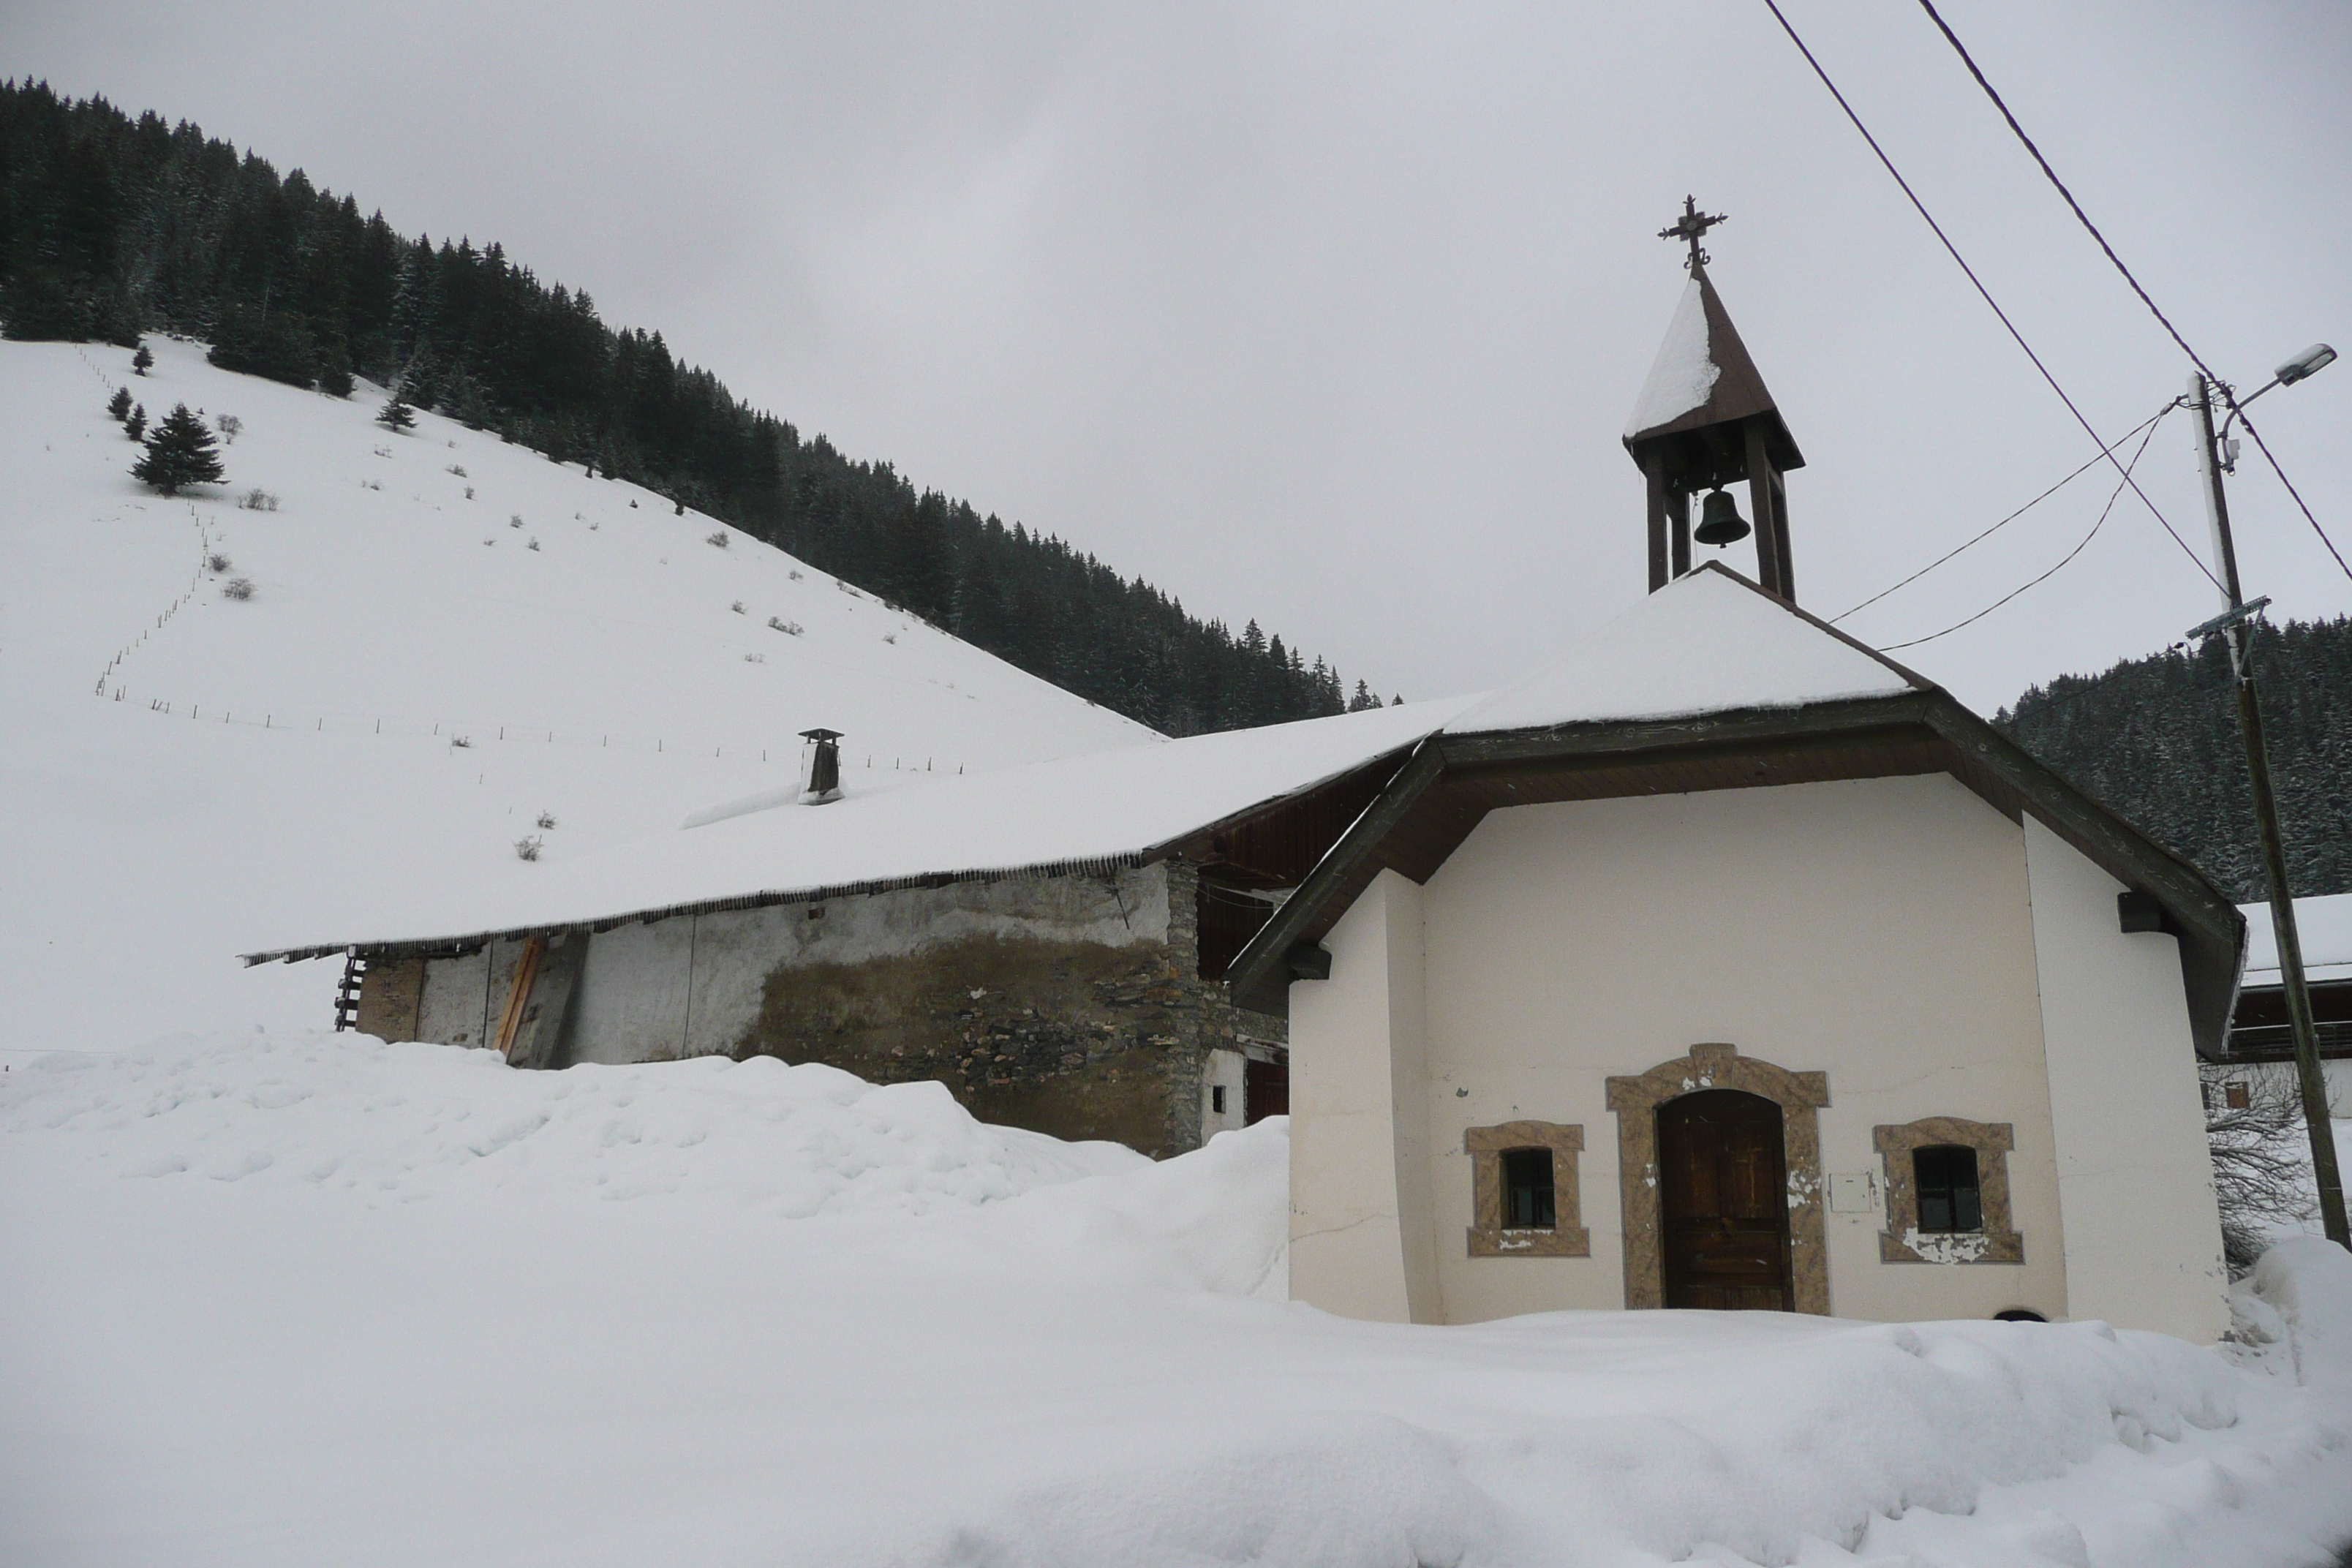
(2324, 925)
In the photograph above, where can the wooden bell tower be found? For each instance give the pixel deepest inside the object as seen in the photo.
(1704, 421)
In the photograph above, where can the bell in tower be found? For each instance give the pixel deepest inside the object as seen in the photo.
(1704, 421)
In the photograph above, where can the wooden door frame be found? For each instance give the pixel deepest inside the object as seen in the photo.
(1800, 1096)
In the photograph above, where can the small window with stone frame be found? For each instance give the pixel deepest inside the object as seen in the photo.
(1945, 1177)
(1530, 1202)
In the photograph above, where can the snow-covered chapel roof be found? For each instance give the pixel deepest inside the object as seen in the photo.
(1707, 642)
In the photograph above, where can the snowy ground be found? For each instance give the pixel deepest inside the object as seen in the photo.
(186, 775)
(319, 1299)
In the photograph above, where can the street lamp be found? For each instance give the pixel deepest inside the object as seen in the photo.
(2236, 624)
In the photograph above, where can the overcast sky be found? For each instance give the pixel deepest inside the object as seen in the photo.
(1331, 315)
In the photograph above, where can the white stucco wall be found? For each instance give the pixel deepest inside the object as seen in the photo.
(1879, 930)
(1227, 1071)
(2136, 1186)
(1348, 1248)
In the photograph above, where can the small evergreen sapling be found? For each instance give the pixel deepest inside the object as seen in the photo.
(394, 415)
(180, 453)
(118, 405)
(136, 425)
(141, 360)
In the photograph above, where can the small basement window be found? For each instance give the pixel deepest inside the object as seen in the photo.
(1529, 1203)
(1945, 1179)
(1217, 1098)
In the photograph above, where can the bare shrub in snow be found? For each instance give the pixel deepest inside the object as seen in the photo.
(2262, 1158)
(755, 659)
(797, 574)
(789, 628)
(514, 519)
(526, 847)
(257, 499)
(371, 484)
(718, 537)
(534, 543)
(469, 493)
(890, 638)
(547, 819)
(737, 606)
(230, 427)
(461, 741)
(216, 564)
(459, 469)
(238, 588)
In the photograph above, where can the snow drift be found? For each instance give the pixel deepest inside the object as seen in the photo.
(300, 1299)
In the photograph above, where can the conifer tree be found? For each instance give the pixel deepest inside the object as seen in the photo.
(141, 360)
(394, 415)
(136, 425)
(180, 453)
(118, 405)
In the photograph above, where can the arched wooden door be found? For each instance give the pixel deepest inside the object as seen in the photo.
(1724, 1202)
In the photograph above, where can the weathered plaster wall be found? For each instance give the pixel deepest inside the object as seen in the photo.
(1226, 1069)
(391, 999)
(2143, 1236)
(1069, 1005)
(1877, 931)
(1349, 1252)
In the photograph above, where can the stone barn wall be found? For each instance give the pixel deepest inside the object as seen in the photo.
(1070, 1005)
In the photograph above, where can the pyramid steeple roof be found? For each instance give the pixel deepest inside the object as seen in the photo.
(1704, 376)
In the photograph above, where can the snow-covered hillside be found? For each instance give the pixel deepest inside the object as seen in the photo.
(447, 637)
(325, 1299)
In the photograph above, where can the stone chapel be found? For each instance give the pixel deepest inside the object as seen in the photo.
(1732, 964)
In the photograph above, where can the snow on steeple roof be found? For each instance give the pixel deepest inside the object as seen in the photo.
(1707, 642)
(1683, 375)
(1703, 376)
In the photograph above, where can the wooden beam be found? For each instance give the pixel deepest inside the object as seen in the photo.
(1653, 469)
(1678, 520)
(1259, 978)
(1760, 499)
(1781, 530)
(519, 993)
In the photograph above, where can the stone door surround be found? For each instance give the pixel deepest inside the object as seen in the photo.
(1901, 1241)
(1800, 1097)
(1486, 1146)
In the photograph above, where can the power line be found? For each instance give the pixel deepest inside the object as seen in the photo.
(1986, 294)
(2005, 522)
(2085, 544)
(2084, 219)
(2264, 449)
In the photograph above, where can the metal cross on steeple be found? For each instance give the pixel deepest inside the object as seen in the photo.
(1692, 228)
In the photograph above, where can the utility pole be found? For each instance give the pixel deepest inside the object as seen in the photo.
(2236, 624)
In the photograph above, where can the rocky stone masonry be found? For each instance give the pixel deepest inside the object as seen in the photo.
(1072, 1038)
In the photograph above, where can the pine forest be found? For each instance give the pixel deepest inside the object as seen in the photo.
(110, 226)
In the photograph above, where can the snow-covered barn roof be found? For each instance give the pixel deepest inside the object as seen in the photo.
(1100, 809)
(2324, 926)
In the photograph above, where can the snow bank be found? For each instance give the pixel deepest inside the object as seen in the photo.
(281, 1301)
(406, 1122)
